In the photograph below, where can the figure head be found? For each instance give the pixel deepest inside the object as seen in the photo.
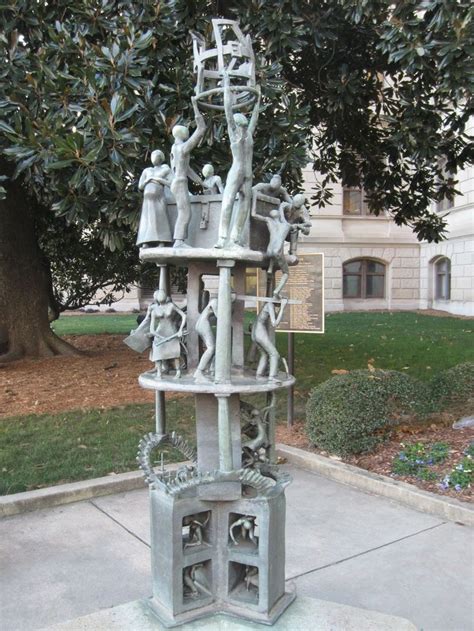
(180, 132)
(157, 157)
(299, 200)
(240, 120)
(274, 213)
(275, 182)
(208, 170)
(159, 296)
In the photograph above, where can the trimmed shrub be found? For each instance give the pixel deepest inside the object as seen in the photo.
(352, 413)
(454, 385)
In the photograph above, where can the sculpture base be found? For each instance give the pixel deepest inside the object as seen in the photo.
(305, 614)
(217, 609)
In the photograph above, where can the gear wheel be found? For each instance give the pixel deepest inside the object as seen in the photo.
(152, 441)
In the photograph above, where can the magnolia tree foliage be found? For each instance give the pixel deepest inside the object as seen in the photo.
(389, 86)
(93, 87)
(376, 93)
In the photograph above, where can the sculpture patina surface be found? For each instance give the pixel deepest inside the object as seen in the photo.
(154, 224)
(218, 522)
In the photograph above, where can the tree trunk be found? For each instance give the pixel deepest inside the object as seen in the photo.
(24, 290)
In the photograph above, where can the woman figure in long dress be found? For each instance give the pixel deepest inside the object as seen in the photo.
(154, 224)
(165, 333)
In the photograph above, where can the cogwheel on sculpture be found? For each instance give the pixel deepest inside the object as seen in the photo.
(152, 441)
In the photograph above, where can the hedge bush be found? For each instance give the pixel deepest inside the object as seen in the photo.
(352, 413)
(454, 385)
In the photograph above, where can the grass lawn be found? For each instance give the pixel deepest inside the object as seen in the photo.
(42, 450)
(38, 451)
(92, 324)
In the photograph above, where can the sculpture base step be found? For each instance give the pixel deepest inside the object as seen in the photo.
(305, 614)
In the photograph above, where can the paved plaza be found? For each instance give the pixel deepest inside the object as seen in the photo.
(343, 545)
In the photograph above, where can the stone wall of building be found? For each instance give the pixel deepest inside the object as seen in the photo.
(410, 265)
(458, 249)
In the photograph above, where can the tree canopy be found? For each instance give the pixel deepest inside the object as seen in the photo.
(375, 93)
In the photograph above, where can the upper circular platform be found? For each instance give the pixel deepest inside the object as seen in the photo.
(242, 382)
(188, 255)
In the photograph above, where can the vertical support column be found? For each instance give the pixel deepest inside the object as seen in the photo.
(290, 412)
(238, 310)
(160, 409)
(224, 362)
(225, 433)
(164, 283)
(224, 323)
(160, 412)
(271, 396)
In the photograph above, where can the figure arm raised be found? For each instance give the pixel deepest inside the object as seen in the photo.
(228, 103)
(271, 312)
(255, 113)
(200, 126)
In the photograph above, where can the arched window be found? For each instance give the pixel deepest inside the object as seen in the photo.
(442, 289)
(363, 278)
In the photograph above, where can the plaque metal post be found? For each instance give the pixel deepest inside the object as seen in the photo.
(290, 412)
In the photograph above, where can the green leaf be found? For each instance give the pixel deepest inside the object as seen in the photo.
(7, 128)
(116, 104)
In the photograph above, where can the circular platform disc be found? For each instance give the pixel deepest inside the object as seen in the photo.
(241, 383)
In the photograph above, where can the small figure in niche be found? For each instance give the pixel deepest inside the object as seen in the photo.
(273, 188)
(205, 332)
(279, 229)
(268, 352)
(256, 430)
(246, 523)
(196, 530)
(195, 581)
(212, 184)
(180, 156)
(251, 577)
(154, 226)
(165, 333)
(239, 178)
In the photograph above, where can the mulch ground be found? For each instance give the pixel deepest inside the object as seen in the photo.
(380, 460)
(105, 376)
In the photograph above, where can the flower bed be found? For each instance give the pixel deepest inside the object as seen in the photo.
(441, 477)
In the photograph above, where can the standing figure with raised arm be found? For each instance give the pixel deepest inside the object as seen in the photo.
(212, 184)
(154, 226)
(205, 332)
(165, 333)
(278, 229)
(239, 178)
(180, 155)
(261, 337)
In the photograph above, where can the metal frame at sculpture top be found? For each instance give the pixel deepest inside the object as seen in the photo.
(217, 522)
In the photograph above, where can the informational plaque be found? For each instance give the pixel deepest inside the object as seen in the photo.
(305, 286)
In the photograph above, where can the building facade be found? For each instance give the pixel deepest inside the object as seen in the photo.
(371, 263)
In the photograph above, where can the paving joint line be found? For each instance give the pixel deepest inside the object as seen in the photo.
(359, 554)
(130, 532)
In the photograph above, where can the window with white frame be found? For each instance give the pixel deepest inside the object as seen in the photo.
(442, 279)
(363, 278)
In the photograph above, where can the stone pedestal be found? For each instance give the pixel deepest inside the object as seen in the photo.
(244, 578)
(305, 614)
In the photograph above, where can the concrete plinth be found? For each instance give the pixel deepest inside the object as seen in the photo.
(305, 614)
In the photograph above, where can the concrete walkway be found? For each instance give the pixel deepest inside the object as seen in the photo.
(342, 545)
